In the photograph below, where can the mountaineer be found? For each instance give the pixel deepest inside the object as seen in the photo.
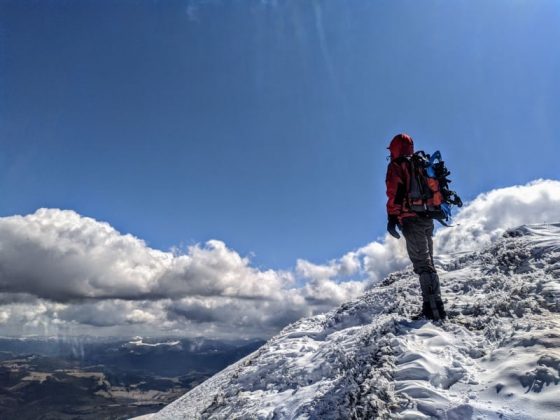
(414, 221)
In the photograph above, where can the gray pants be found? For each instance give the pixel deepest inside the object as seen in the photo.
(418, 232)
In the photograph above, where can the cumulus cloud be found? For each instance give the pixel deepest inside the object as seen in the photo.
(60, 271)
(81, 272)
(256, 317)
(62, 256)
(490, 214)
(110, 312)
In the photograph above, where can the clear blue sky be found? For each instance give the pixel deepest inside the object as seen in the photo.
(264, 124)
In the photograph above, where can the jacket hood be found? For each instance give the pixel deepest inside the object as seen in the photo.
(401, 145)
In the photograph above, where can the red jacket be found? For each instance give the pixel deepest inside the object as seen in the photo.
(397, 181)
(398, 177)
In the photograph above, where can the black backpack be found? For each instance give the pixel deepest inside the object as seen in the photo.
(429, 192)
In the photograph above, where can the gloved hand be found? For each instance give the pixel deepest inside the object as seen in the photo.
(392, 225)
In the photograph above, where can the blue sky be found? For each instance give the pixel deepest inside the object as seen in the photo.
(264, 124)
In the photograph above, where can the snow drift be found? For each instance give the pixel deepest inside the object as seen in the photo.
(498, 356)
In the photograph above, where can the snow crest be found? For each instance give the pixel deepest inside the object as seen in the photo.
(498, 356)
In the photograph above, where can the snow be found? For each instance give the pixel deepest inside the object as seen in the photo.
(497, 357)
(138, 341)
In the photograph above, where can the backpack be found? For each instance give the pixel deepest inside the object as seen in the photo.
(428, 192)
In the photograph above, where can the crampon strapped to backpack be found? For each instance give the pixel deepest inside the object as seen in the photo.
(429, 192)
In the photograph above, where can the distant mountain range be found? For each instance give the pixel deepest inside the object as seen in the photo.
(109, 378)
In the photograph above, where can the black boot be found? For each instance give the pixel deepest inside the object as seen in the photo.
(425, 313)
(441, 309)
(427, 310)
(429, 283)
(437, 297)
(436, 316)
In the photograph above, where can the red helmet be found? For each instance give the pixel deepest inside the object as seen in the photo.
(401, 145)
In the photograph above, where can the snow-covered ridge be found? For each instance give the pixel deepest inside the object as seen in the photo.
(498, 356)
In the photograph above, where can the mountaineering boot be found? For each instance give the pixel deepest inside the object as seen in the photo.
(437, 295)
(433, 307)
(441, 310)
(425, 313)
(429, 294)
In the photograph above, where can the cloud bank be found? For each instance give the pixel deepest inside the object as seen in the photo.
(489, 215)
(62, 273)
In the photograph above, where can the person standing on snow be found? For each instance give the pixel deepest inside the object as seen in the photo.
(417, 228)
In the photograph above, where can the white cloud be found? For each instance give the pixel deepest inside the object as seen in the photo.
(489, 215)
(62, 256)
(315, 271)
(60, 271)
(138, 316)
(83, 272)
